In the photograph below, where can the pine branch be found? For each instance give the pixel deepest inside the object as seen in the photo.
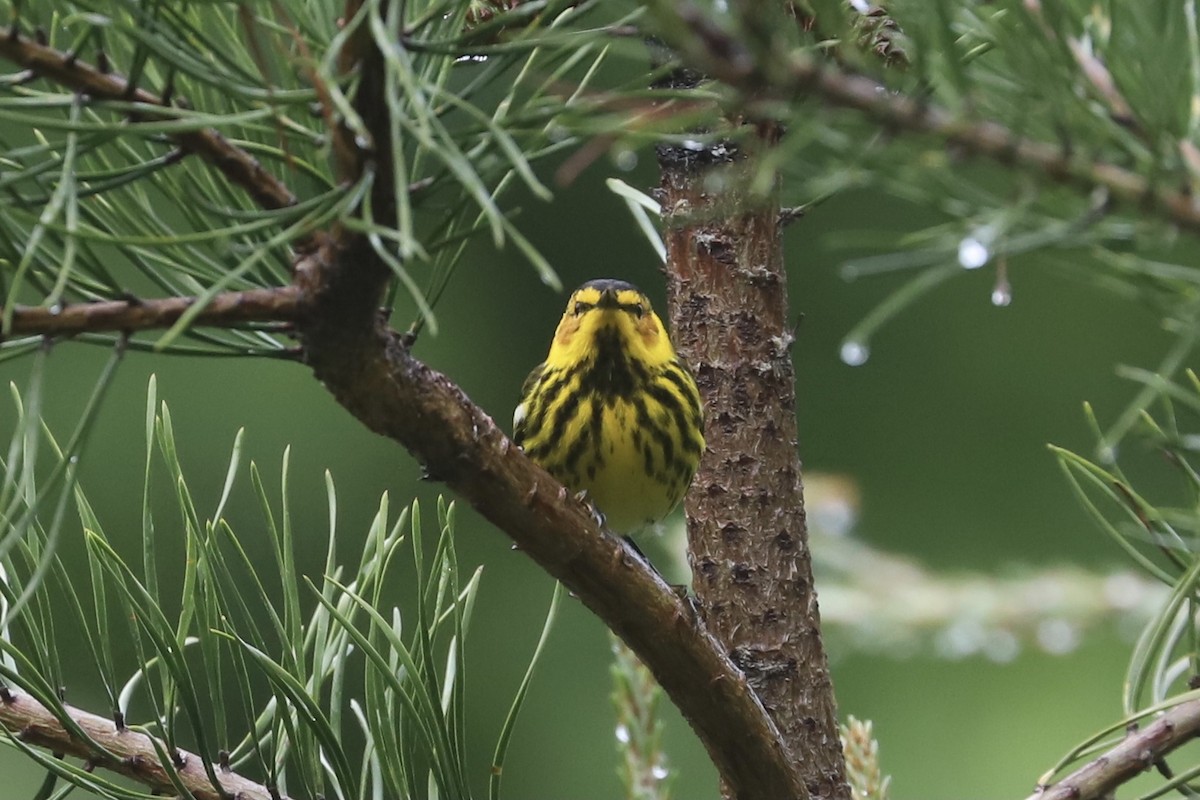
(774, 77)
(238, 166)
(1138, 752)
(126, 752)
(229, 309)
(1093, 70)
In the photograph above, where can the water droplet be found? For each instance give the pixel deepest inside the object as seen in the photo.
(622, 734)
(362, 142)
(556, 132)
(1057, 636)
(972, 253)
(721, 6)
(659, 772)
(471, 57)
(693, 145)
(625, 159)
(861, 6)
(1002, 295)
(855, 354)
(55, 309)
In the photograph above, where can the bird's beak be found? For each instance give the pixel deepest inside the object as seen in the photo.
(608, 299)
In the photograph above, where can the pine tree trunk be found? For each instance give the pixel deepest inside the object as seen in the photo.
(748, 541)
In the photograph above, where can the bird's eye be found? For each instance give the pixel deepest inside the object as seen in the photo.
(580, 308)
(639, 310)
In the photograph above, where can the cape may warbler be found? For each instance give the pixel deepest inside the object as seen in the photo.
(612, 411)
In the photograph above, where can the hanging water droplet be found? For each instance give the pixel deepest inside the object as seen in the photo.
(625, 159)
(855, 354)
(659, 772)
(622, 734)
(1002, 295)
(972, 253)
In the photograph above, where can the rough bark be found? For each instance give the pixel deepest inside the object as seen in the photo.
(748, 542)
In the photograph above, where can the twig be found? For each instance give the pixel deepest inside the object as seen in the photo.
(123, 750)
(1137, 753)
(278, 304)
(234, 163)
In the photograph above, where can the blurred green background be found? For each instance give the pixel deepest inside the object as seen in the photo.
(943, 430)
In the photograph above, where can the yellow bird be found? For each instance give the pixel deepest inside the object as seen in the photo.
(612, 411)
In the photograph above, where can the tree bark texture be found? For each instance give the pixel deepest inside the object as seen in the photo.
(748, 540)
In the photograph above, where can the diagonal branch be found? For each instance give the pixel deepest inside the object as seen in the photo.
(776, 76)
(372, 373)
(229, 309)
(238, 166)
(125, 752)
(1135, 754)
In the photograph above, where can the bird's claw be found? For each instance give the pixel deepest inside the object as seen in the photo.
(597, 515)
